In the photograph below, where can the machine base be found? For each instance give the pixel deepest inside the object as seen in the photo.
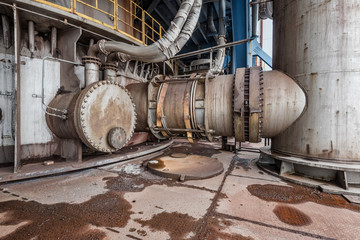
(337, 178)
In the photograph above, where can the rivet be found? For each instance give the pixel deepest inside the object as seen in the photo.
(99, 84)
(88, 95)
(95, 86)
(82, 112)
(83, 106)
(91, 90)
(103, 82)
(82, 119)
(85, 100)
(91, 141)
(112, 82)
(108, 82)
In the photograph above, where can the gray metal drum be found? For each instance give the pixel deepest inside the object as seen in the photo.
(317, 43)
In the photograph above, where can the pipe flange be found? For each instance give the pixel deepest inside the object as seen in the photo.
(110, 66)
(101, 47)
(261, 101)
(122, 57)
(91, 59)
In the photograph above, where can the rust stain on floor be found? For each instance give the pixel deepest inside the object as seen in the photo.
(177, 225)
(216, 230)
(299, 194)
(64, 220)
(292, 216)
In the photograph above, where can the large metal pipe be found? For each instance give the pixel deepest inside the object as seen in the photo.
(53, 41)
(220, 54)
(31, 33)
(248, 105)
(210, 19)
(156, 50)
(6, 31)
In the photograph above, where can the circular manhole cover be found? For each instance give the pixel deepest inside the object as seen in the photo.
(188, 167)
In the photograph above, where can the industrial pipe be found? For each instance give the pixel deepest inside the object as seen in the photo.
(248, 105)
(53, 41)
(220, 54)
(31, 33)
(6, 31)
(210, 19)
(148, 52)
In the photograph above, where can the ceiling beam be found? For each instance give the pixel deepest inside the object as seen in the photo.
(152, 6)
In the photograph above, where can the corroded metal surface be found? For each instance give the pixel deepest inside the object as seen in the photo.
(185, 168)
(60, 127)
(219, 98)
(93, 113)
(138, 92)
(317, 43)
(238, 104)
(101, 107)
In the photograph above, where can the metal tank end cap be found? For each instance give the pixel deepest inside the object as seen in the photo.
(117, 137)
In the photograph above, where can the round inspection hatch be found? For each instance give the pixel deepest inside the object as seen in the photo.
(189, 167)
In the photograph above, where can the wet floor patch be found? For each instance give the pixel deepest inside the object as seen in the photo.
(177, 225)
(242, 162)
(64, 220)
(299, 194)
(187, 148)
(134, 182)
(216, 229)
(291, 215)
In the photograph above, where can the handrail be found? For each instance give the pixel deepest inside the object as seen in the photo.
(121, 16)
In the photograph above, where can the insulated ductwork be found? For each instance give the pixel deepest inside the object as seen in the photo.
(220, 53)
(171, 43)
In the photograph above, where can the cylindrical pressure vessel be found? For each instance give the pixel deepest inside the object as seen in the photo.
(317, 43)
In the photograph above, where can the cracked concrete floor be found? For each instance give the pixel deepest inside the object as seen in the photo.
(125, 201)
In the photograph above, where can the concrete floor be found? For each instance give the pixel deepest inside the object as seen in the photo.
(125, 201)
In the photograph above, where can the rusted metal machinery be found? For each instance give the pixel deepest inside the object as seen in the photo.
(248, 105)
(317, 42)
(102, 116)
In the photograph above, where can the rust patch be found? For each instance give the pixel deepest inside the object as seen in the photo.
(215, 227)
(292, 216)
(299, 194)
(134, 183)
(177, 225)
(64, 220)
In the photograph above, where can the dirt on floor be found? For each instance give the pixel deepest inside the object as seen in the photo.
(299, 194)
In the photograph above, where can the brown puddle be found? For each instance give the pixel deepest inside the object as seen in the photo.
(177, 225)
(299, 194)
(64, 220)
(291, 215)
(134, 183)
(214, 230)
(187, 148)
(156, 163)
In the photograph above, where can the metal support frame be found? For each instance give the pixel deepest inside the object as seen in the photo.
(17, 106)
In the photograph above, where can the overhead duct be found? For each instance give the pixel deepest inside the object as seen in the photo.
(180, 30)
(220, 53)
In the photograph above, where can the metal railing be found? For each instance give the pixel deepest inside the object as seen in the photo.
(124, 16)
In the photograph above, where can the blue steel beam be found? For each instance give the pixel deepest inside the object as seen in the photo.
(240, 23)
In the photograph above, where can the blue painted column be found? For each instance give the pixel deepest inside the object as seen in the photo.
(240, 29)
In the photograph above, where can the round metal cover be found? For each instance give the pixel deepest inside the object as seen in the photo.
(100, 108)
(178, 155)
(190, 167)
